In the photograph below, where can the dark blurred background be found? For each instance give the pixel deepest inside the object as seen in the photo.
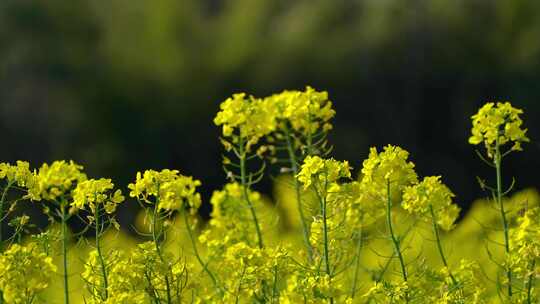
(125, 85)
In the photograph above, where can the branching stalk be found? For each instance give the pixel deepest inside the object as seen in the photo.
(245, 186)
(439, 244)
(197, 255)
(395, 240)
(294, 167)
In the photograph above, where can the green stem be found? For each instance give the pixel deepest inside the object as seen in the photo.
(100, 256)
(439, 244)
(294, 166)
(395, 241)
(156, 237)
(197, 255)
(530, 282)
(326, 253)
(245, 186)
(497, 163)
(2, 200)
(64, 251)
(357, 266)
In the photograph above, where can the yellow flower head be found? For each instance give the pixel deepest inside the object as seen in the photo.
(56, 180)
(431, 193)
(246, 118)
(306, 111)
(171, 190)
(19, 174)
(498, 124)
(323, 170)
(390, 166)
(92, 193)
(24, 272)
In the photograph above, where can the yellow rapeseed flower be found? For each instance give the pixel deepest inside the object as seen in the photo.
(306, 111)
(19, 174)
(390, 166)
(92, 193)
(25, 271)
(498, 124)
(324, 170)
(56, 180)
(431, 193)
(171, 190)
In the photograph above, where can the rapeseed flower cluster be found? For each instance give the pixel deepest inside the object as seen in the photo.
(318, 170)
(56, 181)
(25, 272)
(431, 196)
(496, 125)
(95, 194)
(389, 168)
(168, 189)
(306, 111)
(18, 174)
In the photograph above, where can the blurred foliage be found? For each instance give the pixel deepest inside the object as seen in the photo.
(125, 85)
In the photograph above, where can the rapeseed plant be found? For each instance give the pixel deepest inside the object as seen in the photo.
(383, 237)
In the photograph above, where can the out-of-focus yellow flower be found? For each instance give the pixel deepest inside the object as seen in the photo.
(431, 193)
(25, 271)
(19, 174)
(171, 190)
(498, 124)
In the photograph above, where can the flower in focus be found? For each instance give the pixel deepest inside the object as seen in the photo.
(245, 118)
(56, 180)
(306, 111)
(498, 124)
(323, 170)
(390, 166)
(171, 190)
(93, 193)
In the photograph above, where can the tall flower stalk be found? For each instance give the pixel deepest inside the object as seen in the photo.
(55, 183)
(496, 125)
(96, 196)
(320, 175)
(165, 191)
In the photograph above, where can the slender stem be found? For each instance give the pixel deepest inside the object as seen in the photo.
(155, 237)
(357, 266)
(323, 204)
(294, 166)
(100, 256)
(530, 282)
(395, 240)
(245, 186)
(64, 251)
(2, 200)
(497, 162)
(439, 244)
(197, 255)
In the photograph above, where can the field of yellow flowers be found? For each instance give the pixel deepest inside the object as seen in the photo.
(385, 235)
